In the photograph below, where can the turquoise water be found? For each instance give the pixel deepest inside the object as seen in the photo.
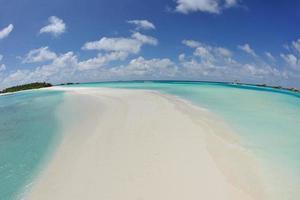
(27, 128)
(267, 120)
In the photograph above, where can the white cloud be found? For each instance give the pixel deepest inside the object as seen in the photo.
(181, 57)
(101, 60)
(222, 70)
(246, 48)
(223, 51)
(186, 6)
(15, 78)
(231, 3)
(66, 67)
(117, 48)
(152, 68)
(270, 56)
(114, 44)
(130, 45)
(193, 68)
(191, 43)
(210, 6)
(208, 52)
(217, 63)
(61, 69)
(260, 71)
(142, 24)
(203, 53)
(206, 62)
(144, 39)
(291, 60)
(296, 45)
(39, 55)
(55, 27)
(2, 67)
(6, 31)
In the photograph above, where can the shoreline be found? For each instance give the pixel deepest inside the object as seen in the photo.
(161, 155)
(23, 91)
(266, 87)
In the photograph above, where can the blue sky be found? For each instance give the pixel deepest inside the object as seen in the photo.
(97, 40)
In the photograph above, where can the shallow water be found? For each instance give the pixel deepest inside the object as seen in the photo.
(27, 128)
(267, 120)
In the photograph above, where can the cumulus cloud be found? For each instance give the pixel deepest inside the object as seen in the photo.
(130, 45)
(142, 24)
(181, 57)
(144, 39)
(114, 44)
(206, 62)
(60, 69)
(208, 52)
(101, 60)
(291, 60)
(55, 27)
(191, 43)
(217, 63)
(2, 67)
(223, 51)
(270, 56)
(230, 70)
(6, 31)
(66, 67)
(209, 6)
(261, 71)
(296, 45)
(39, 55)
(152, 68)
(246, 48)
(15, 78)
(230, 3)
(204, 53)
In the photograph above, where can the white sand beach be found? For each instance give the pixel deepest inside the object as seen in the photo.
(141, 145)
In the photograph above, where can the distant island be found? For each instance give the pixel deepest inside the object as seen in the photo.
(38, 85)
(236, 82)
(70, 83)
(29, 86)
(279, 87)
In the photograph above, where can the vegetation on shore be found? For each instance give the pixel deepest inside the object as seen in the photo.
(279, 87)
(236, 82)
(69, 83)
(29, 86)
(37, 85)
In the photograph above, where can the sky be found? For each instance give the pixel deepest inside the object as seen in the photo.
(58, 41)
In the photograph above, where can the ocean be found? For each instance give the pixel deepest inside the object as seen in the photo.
(28, 130)
(266, 119)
